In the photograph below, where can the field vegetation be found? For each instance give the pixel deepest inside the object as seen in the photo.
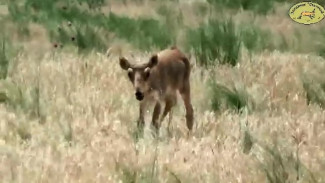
(68, 112)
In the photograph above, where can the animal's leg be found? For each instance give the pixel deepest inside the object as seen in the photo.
(186, 95)
(142, 110)
(156, 114)
(170, 118)
(169, 122)
(170, 102)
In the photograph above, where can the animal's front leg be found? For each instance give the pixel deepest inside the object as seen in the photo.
(155, 116)
(142, 109)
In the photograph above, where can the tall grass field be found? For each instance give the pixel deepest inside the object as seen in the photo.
(68, 111)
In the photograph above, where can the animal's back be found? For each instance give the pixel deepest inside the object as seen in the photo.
(173, 68)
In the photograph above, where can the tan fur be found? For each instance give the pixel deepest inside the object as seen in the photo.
(158, 81)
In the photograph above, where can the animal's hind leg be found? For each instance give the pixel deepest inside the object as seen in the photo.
(186, 95)
(169, 122)
(170, 102)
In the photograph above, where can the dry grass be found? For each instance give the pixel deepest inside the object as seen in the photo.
(131, 9)
(89, 115)
(84, 130)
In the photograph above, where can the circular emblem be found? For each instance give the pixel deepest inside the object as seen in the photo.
(307, 13)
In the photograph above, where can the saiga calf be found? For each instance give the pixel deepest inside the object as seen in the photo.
(158, 81)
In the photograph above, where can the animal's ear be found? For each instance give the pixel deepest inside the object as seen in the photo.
(124, 63)
(153, 61)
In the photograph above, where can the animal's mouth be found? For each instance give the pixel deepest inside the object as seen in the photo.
(139, 96)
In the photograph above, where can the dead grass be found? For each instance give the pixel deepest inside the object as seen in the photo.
(90, 119)
(3, 10)
(131, 9)
(88, 113)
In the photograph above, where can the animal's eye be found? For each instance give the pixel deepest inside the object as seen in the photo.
(130, 74)
(146, 75)
(130, 71)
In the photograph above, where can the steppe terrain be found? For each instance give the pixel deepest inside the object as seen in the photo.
(68, 114)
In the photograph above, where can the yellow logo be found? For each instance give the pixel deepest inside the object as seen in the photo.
(307, 13)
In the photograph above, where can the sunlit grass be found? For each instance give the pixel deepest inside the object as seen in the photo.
(89, 119)
(70, 117)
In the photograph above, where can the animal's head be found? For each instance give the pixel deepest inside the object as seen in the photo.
(139, 75)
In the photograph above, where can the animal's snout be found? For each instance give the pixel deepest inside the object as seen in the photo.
(139, 96)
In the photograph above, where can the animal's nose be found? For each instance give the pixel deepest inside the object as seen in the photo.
(139, 96)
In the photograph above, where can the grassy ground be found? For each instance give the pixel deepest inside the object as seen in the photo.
(69, 116)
